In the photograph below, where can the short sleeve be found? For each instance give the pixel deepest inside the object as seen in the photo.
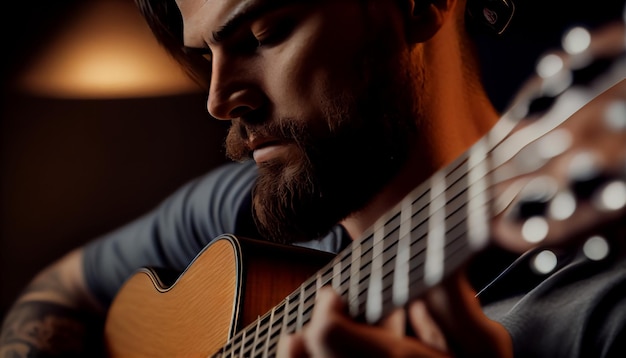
(173, 233)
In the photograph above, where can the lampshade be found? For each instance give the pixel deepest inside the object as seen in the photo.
(105, 51)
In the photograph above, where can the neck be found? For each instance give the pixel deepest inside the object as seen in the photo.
(457, 114)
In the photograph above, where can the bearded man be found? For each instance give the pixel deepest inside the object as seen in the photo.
(338, 110)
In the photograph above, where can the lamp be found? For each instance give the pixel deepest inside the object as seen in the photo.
(105, 51)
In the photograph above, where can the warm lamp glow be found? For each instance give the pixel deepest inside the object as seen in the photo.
(106, 51)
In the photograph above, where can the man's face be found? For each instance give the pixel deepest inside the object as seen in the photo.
(321, 96)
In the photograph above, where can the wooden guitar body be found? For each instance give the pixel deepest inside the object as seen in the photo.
(230, 283)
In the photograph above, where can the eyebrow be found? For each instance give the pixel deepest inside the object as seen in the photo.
(245, 12)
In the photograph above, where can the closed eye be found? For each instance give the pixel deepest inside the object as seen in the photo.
(275, 33)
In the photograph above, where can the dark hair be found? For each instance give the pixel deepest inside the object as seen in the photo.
(166, 23)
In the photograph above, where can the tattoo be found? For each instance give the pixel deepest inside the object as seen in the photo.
(45, 329)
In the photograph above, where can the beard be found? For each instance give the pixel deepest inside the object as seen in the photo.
(338, 166)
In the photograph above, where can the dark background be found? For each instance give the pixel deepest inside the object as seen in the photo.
(72, 169)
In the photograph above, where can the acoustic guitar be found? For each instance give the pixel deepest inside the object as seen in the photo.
(552, 171)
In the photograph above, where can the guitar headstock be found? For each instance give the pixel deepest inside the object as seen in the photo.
(559, 175)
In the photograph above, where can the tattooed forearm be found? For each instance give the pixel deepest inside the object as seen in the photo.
(44, 329)
(55, 316)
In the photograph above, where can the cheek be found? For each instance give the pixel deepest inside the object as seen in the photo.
(320, 61)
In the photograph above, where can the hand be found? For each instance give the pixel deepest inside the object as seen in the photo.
(447, 322)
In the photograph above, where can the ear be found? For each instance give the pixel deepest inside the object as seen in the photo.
(425, 17)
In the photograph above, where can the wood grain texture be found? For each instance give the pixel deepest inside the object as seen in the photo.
(192, 317)
(226, 287)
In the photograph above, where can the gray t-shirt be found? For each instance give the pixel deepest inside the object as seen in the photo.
(577, 311)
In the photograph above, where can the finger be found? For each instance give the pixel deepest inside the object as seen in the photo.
(329, 313)
(395, 323)
(332, 333)
(459, 314)
(425, 327)
(291, 346)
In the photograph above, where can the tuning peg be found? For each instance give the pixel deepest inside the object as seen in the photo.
(562, 206)
(596, 248)
(612, 196)
(535, 229)
(544, 262)
(615, 115)
(576, 40)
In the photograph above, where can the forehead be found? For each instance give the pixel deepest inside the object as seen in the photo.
(201, 17)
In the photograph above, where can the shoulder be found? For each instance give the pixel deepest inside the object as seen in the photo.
(579, 310)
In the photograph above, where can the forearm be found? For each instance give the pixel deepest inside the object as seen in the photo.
(40, 328)
(54, 316)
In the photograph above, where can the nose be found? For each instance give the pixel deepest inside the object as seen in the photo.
(234, 90)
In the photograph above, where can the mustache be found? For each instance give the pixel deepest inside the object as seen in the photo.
(237, 142)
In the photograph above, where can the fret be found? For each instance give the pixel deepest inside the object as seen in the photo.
(273, 339)
(276, 326)
(477, 215)
(341, 271)
(319, 281)
(401, 270)
(355, 274)
(365, 272)
(264, 332)
(291, 312)
(255, 340)
(433, 268)
(392, 240)
(337, 269)
(345, 278)
(259, 337)
(326, 276)
(269, 335)
(373, 309)
(241, 344)
(285, 313)
(300, 306)
(307, 313)
(417, 264)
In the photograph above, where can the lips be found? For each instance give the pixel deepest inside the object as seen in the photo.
(266, 148)
(255, 142)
